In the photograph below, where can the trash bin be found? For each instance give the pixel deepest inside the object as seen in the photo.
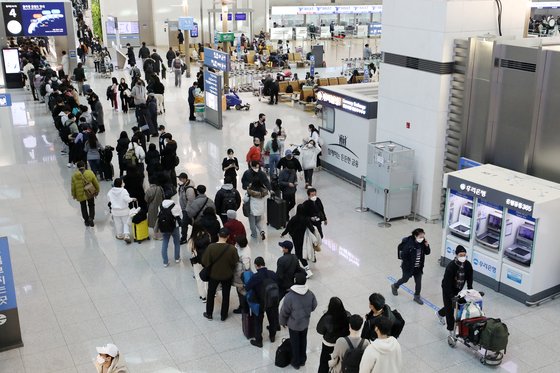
(199, 112)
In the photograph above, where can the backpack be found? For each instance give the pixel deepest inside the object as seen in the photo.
(252, 129)
(352, 357)
(109, 92)
(401, 248)
(494, 336)
(289, 89)
(166, 220)
(43, 89)
(398, 324)
(270, 293)
(130, 158)
(229, 202)
(283, 354)
(177, 63)
(65, 131)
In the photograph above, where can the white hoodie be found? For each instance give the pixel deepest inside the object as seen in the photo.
(382, 356)
(119, 199)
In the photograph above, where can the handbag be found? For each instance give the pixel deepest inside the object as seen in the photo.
(89, 188)
(205, 272)
(247, 208)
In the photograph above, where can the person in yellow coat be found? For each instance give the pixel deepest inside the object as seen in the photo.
(84, 193)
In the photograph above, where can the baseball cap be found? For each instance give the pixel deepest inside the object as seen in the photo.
(110, 349)
(183, 175)
(286, 244)
(288, 152)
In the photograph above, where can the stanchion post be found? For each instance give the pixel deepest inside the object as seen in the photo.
(413, 216)
(385, 223)
(362, 208)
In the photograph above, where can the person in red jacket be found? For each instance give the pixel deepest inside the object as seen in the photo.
(234, 226)
(254, 153)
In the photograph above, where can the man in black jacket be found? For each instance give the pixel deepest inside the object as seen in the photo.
(227, 198)
(258, 129)
(413, 250)
(288, 185)
(289, 161)
(144, 52)
(262, 284)
(158, 61)
(313, 207)
(286, 267)
(458, 272)
(170, 56)
(191, 100)
(377, 308)
(254, 172)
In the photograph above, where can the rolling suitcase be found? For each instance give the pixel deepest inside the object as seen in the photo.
(86, 88)
(276, 212)
(248, 324)
(140, 231)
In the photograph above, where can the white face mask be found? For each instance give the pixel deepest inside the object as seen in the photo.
(230, 156)
(314, 198)
(100, 359)
(420, 239)
(462, 259)
(255, 169)
(310, 146)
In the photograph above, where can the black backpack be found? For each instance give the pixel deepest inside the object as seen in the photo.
(252, 129)
(270, 293)
(289, 89)
(398, 324)
(352, 357)
(65, 131)
(401, 248)
(229, 201)
(283, 354)
(166, 220)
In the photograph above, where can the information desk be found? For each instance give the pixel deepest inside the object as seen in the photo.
(507, 221)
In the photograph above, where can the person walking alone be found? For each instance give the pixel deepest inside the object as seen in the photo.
(191, 100)
(85, 188)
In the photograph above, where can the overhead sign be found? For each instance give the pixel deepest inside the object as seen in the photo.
(490, 195)
(5, 99)
(216, 59)
(226, 37)
(326, 9)
(374, 29)
(10, 333)
(352, 105)
(34, 19)
(238, 16)
(545, 4)
(186, 23)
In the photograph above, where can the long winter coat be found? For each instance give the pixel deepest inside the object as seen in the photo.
(154, 198)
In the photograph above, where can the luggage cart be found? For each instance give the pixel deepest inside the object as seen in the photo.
(467, 332)
(257, 88)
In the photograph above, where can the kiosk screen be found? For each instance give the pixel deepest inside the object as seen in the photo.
(527, 233)
(494, 222)
(466, 211)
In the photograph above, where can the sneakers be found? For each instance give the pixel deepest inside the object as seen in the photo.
(119, 237)
(209, 317)
(263, 236)
(237, 311)
(440, 318)
(255, 343)
(418, 300)
(272, 338)
(127, 239)
(69, 165)
(394, 289)
(165, 265)
(308, 272)
(203, 300)
(183, 241)
(178, 260)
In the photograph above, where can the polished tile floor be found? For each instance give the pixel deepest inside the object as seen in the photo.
(78, 288)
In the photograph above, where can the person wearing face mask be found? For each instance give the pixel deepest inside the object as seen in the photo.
(412, 252)
(124, 91)
(315, 210)
(258, 129)
(308, 157)
(254, 173)
(458, 272)
(254, 153)
(109, 360)
(230, 166)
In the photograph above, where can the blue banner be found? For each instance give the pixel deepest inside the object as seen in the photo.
(7, 289)
(216, 59)
(186, 23)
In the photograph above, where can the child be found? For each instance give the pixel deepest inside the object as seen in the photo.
(119, 199)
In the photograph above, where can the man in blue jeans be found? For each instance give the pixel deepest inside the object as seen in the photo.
(169, 222)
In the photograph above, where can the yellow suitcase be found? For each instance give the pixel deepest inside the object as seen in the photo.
(140, 231)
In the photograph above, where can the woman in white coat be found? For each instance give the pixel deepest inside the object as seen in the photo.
(308, 158)
(256, 197)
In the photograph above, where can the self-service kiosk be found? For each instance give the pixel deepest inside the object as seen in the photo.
(507, 222)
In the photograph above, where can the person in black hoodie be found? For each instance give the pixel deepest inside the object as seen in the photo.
(130, 55)
(169, 158)
(210, 223)
(258, 129)
(286, 267)
(254, 173)
(289, 161)
(332, 325)
(152, 160)
(377, 308)
(122, 147)
(133, 183)
(170, 56)
(296, 227)
(458, 272)
(413, 250)
(315, 210)
(227, 198)
(288, 185)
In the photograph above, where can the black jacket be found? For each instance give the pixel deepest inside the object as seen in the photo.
(408, 254)
(448, 282)
(368, 330)
(250, 175)
(286, 177)
(152, 159)
(170, 56)
(286, 268)
(314, 209)
(211, 225)
(144, 52)
(191, 94)
(168, 155)
(219, 199)
(332, 329)
(292, 164)
(259, 131)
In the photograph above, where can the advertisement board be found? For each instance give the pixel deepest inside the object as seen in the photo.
(34, 19)
(216, 59)
(486, 265)
(194, 31)
(10, 332)
(125, 28)
(11, 61)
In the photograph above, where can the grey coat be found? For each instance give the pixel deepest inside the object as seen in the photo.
(154, 198)
(297, 308)
(196, 207)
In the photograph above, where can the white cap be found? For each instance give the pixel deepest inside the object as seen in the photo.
(110, 350)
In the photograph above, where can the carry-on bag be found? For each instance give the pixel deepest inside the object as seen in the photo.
(248, 324)
(140, 231)
(277, 212)
(283, 354)
(494, 336)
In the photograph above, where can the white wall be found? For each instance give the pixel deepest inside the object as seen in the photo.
(421, 98)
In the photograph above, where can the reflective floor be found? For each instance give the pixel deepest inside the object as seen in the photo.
(78, 288)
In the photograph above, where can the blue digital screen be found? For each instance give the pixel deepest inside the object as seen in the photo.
(34, 19)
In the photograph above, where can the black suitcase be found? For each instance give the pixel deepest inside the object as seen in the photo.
(108, 171)
(277, 212)
(275, 186)
(247, 324)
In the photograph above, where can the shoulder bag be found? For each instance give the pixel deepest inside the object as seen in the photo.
(205, 272)
(89, 188)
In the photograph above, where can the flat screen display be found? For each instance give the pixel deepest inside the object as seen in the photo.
(125, 28)
(11, 61)
(494, 222)
(34, 19)
(527, 233)
(466, 211)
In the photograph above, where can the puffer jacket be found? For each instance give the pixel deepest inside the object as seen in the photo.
(308, 157)
(78, 183)
(297, 308)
